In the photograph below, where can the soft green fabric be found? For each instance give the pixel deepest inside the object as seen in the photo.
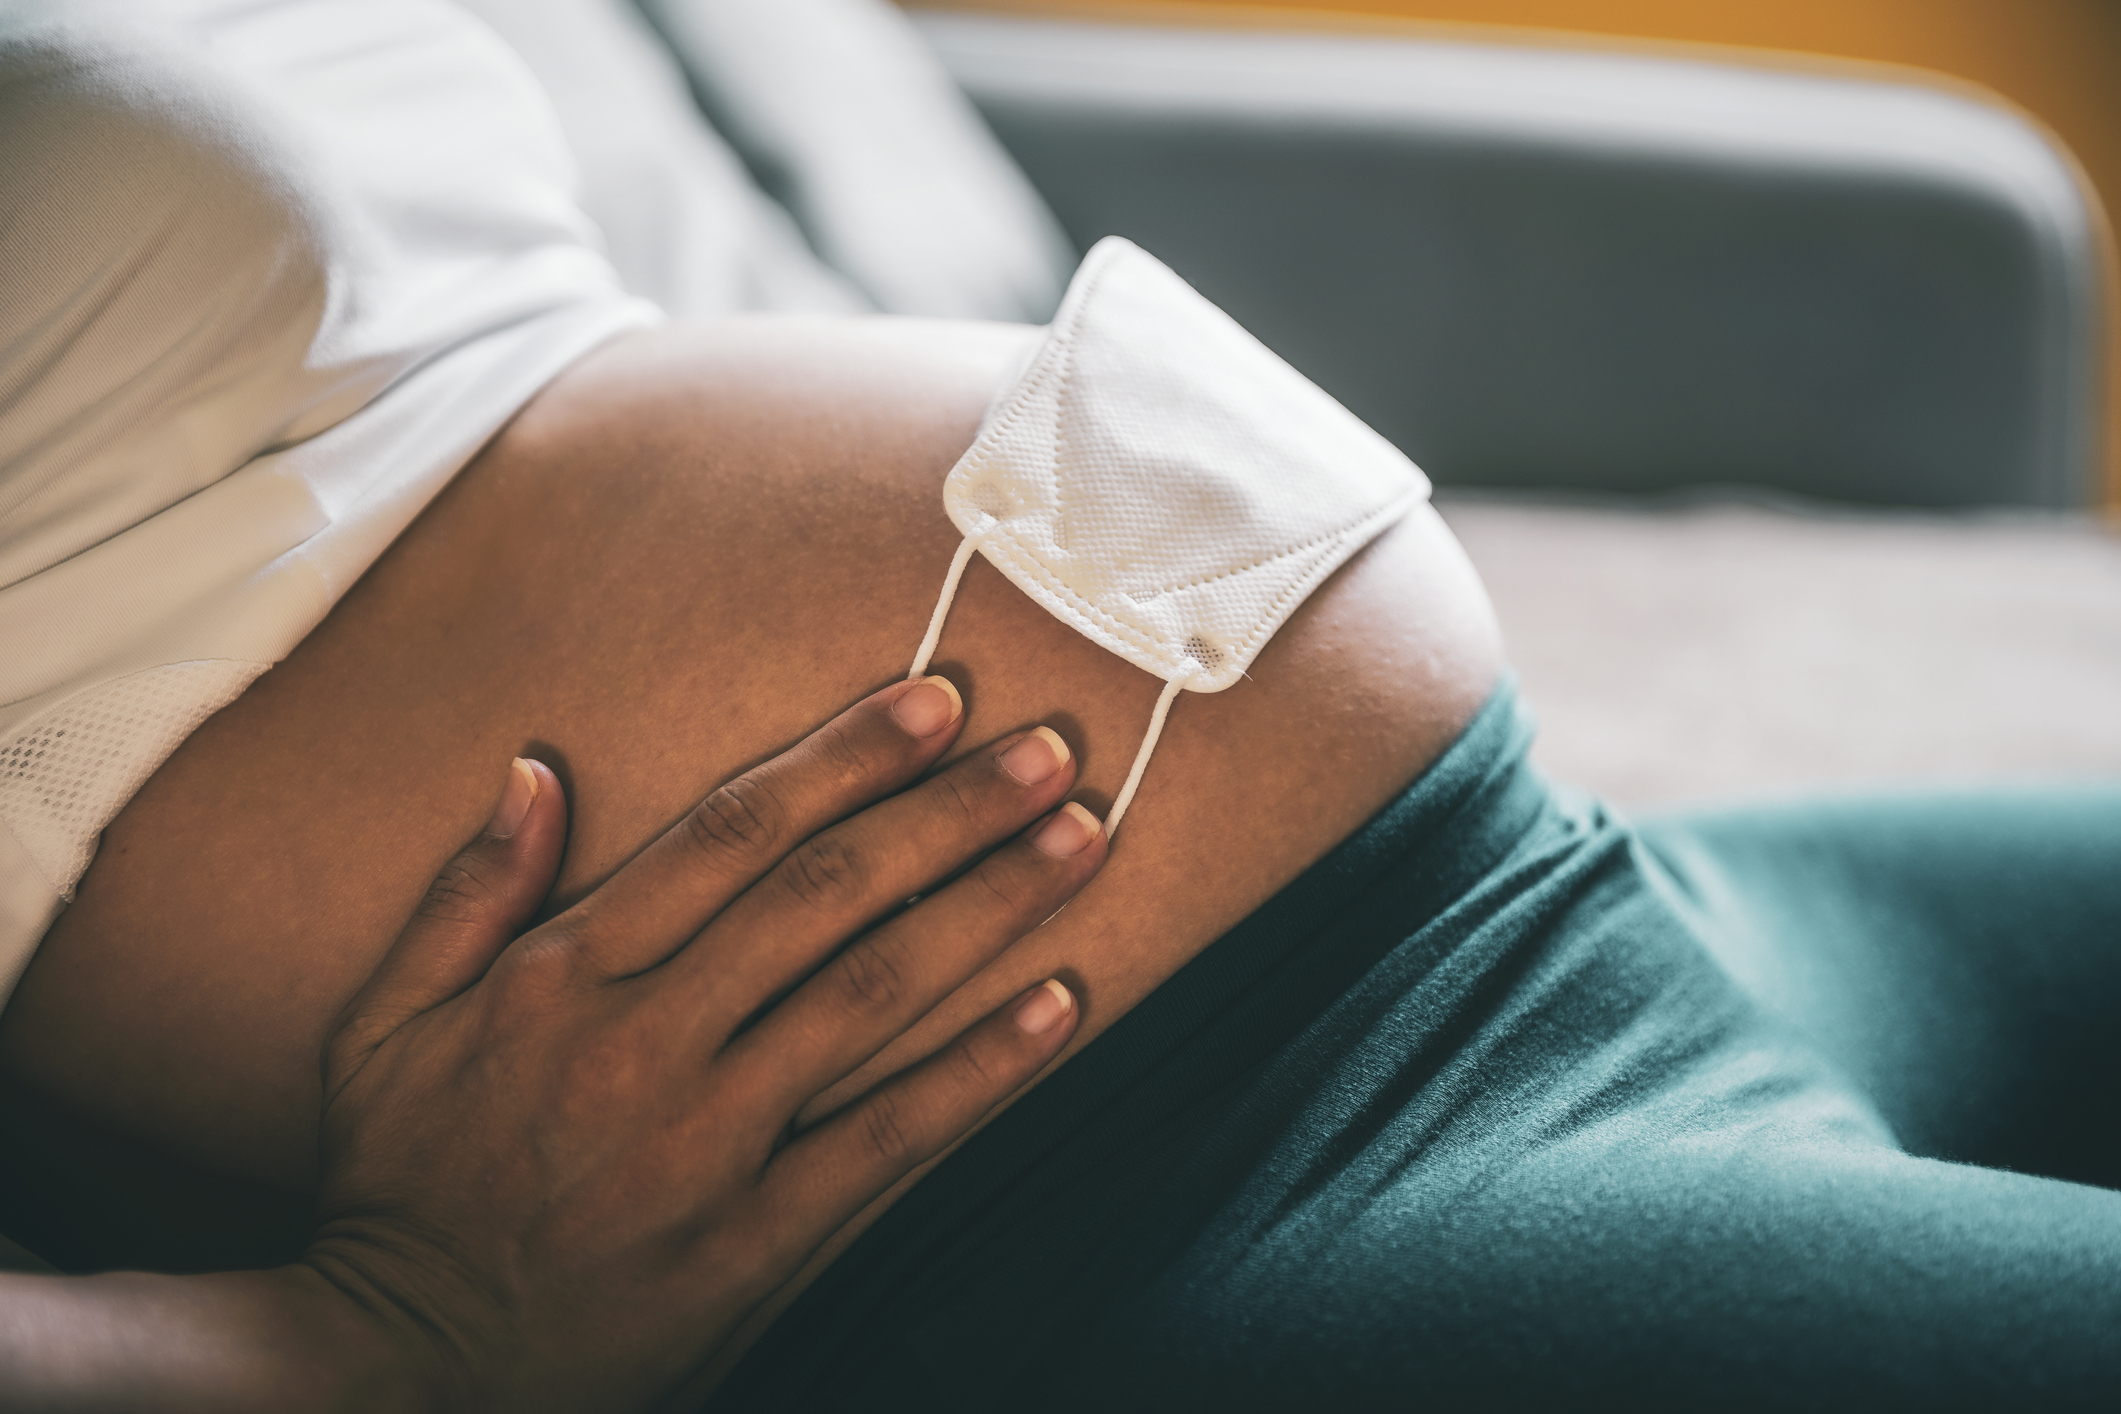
(1507, 1105)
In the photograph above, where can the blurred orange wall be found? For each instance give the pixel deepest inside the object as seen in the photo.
(2059, 60)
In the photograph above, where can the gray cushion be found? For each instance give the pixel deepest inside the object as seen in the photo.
(848, 120)
(1548, 267)
(683, 221)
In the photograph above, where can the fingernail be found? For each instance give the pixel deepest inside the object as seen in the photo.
(1036, 757)
(931, 705)
(1067, 832)
(1044, 1008)
(522, 789)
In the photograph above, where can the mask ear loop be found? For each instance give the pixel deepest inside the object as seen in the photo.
(1164, 699)
(1125, 798)
(934, 636)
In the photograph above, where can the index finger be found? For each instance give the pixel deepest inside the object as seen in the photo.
(663, 896)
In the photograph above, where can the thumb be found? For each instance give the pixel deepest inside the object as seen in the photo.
(471, 911)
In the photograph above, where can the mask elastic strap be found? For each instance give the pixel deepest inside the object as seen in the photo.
(934, 636)
(1164, 700)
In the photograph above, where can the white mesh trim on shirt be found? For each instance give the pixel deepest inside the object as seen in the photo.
(67, 774)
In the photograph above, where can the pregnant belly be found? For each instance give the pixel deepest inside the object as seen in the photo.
(689, 550)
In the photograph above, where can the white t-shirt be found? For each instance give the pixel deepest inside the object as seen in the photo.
(270, 274)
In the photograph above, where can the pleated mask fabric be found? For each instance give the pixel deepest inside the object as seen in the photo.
(1163, 483)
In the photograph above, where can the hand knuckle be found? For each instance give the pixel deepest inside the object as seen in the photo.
(979, 1072)
(870, 977)
(581, 930)
(462, 893)
(827, 871)
(1009, 891)
(838, 752)
(951, 800)
(546, 960)
(741, 822)
(884, 1131)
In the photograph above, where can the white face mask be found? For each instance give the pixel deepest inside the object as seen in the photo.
(1163, 483)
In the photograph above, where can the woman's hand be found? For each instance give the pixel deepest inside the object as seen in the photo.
(559, 1169)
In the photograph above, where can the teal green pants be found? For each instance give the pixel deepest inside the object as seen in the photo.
(1508, 1104)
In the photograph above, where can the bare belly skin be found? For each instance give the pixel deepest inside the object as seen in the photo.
(692, 548)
